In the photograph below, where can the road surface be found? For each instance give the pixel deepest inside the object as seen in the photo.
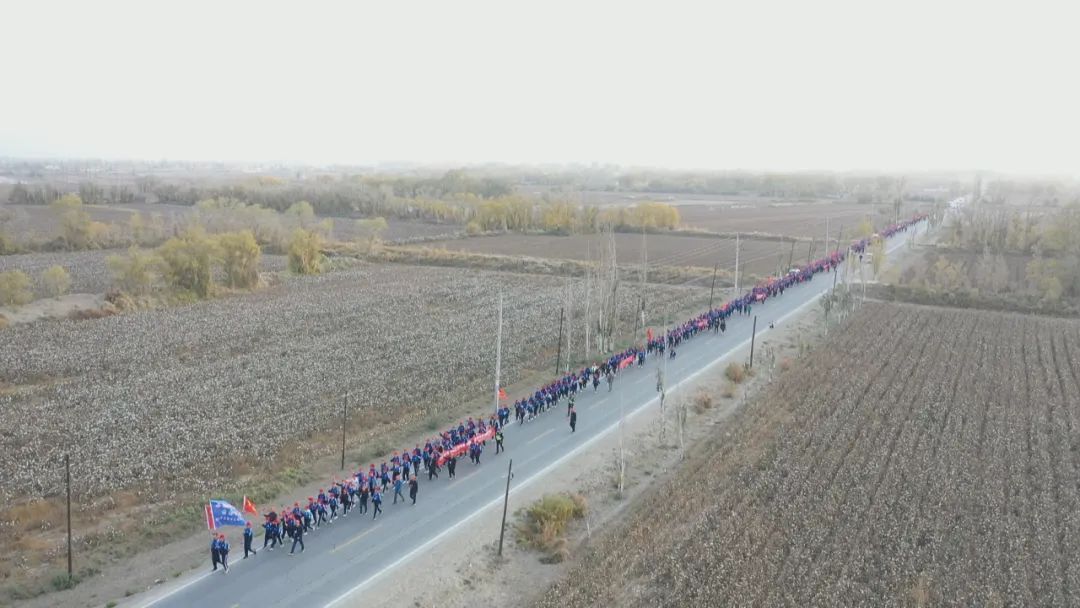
(343, 558)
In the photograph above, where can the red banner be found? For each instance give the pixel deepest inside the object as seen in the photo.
(460, 449)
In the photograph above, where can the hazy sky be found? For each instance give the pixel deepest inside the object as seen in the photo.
(749, 84)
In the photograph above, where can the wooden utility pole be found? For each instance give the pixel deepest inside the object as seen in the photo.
(344, 420)
(498, 352)
(713, 288)
(506, 501)
(753, 337)
(588, 298)
(736, 264)
(67, 477)
(558, 356)
(570, 323)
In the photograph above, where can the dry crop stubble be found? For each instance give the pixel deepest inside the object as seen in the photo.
(921, 456)
(184, 394)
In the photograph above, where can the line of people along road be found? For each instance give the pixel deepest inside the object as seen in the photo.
(363, 492)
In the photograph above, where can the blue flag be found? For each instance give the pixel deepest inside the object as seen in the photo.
(221, 513)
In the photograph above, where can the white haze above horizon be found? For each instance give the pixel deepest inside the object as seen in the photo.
(709, 85)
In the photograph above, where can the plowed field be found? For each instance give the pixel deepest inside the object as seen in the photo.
(922, 456)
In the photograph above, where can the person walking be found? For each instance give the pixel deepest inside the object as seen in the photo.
(499, 441)
(569, 405)
(223, 550)
(363, 498)
(451, 466)
(376, 503)
(610, 380)
(573, 420)
(414, 487)
(398, 483)
(215, 553)
(297, 538)
(248, 535)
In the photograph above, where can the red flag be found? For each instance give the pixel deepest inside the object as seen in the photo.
(209, 517)
(648, 334)
(249, 507)
(502, 394)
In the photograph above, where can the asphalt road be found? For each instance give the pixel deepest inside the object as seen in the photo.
(342, 558)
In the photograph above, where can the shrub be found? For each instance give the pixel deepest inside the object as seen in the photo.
(545, 523)
(473, 228)
(3, 322)
(370, 231)
(729, 390)
(63, 581)
(305, 252)
(187, 261)
(56, 281)
(302, 211)
(15, 288)
(240, 255)
(735, 373)
(135, 272)
(702, 401)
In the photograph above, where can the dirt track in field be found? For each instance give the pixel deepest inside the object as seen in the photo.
(755, 257)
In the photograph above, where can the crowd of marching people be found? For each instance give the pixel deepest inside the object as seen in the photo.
(363, 492)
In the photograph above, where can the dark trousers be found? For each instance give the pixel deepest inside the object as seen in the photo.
(225, 560)
(298, 539)
(499, 447)
(378, 509)
(412, 495)
(215, 558)
(247, 548)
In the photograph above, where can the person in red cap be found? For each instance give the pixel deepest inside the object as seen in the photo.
(248, 535)
(223, 551)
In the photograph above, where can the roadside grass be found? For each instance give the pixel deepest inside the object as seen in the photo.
(543, 525)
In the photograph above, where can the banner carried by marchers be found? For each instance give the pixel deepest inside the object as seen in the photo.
(461, 448)
(220, 513)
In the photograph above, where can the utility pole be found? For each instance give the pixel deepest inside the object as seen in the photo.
(344, 419)
(570, 324)
(736, 264)
(753, 337)
(558, 356)
(713, 288)
(791, 256)
(826, 235)
(588, 297)
(622, 452)
(506, 501)
(810, 252)
(835, 271)
(498, 352)
(644, 274)
(67, 476)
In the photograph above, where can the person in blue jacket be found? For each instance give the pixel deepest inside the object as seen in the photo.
(248, 535)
